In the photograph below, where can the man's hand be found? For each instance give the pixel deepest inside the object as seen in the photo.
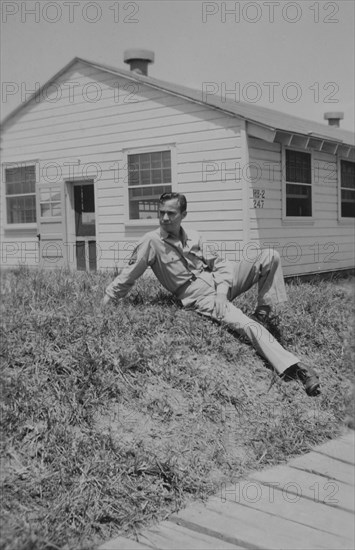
(221, 305)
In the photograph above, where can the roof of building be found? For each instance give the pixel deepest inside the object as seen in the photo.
(269, 118)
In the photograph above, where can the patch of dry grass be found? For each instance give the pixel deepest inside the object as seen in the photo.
(112, 419)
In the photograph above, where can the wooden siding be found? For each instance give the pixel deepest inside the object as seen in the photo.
(323, 243)
(72, 136)
(75, 137)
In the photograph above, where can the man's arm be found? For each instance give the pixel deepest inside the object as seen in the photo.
(222, 277)
(142, 257)
(220, 268)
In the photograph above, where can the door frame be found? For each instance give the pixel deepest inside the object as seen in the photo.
(69, 185)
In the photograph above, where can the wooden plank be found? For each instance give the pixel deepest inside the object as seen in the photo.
(290, 504)
(256, 529)
(213, 155)
(106, 108)
(342, 448)
(322, 156)
(118, 126)
(116, 97)
(201, 224)
(105, 112)
(194, 195)
(212, 145)
(316, 247)
(311, 486)
(170, 536)
(256, 144)
(168, 125)
(218, 213)
(329, 467)
(348, 438)
(111, 148)
(113, 143)
(209, 205)
(194, 180)
(122, 543)
(290, 271)
(118, 91)
(302, 513)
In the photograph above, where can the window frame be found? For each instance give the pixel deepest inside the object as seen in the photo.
(141, 150)
(22, 164)
(343, 219)
(49, 188)
(308, 220)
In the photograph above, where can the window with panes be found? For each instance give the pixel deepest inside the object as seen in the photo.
(149, 176)
(347, 189)
(20, 182)
(298, 183)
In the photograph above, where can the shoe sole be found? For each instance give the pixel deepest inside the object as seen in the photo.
(313, 388)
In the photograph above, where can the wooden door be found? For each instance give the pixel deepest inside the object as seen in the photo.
(50, 225)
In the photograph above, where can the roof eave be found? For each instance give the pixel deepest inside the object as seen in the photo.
(255, 128)
(39, 92)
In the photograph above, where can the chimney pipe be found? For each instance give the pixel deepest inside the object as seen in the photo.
(139, 60)
(334, 118)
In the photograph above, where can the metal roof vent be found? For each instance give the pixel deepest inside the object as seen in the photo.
(334, 118)
(139, 60)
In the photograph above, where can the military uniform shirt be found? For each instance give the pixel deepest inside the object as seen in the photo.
(174, 262)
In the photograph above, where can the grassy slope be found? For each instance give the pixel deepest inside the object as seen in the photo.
(111, 419)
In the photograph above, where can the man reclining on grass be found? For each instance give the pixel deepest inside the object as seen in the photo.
(208, 285)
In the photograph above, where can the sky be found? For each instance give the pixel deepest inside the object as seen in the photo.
(295, 57)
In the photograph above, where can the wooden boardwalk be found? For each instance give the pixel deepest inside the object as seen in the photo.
(306, 504)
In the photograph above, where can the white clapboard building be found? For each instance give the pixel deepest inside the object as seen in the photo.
(85, 159)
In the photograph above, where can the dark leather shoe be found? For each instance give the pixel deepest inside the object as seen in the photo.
(306, 375)
(261, 317)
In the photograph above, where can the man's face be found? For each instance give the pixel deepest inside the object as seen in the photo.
(170, 217)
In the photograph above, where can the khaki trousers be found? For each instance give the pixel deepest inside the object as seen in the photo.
(266, 271)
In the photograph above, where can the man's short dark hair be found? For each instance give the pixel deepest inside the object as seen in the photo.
(171, 196)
